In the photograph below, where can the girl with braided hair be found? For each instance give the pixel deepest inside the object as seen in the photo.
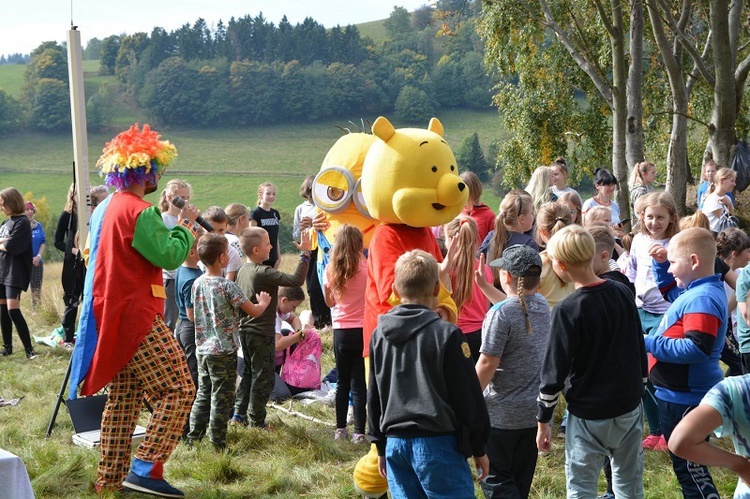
(517, 331)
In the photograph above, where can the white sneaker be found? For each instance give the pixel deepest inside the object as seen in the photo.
(341, 434)
(359, 438)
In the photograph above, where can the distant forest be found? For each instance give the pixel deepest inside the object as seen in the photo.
(252, 72)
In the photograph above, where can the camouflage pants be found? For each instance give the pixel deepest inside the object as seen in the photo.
(216, 384)
(257, 378)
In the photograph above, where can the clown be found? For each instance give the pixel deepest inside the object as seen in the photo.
(409, 183)
(123, 341)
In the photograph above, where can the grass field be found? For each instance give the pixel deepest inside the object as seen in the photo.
(300, 458)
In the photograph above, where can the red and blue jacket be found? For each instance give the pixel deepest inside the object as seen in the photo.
(684, 352)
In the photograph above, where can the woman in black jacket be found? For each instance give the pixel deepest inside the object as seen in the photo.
(73, 268)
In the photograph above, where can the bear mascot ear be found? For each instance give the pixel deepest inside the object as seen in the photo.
(383, 129)
(436, 126)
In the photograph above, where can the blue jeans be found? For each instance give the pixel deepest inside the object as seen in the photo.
(587, 444)
(694, 478)
(431, 467)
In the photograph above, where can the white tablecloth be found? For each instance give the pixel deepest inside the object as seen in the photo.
(13, 477)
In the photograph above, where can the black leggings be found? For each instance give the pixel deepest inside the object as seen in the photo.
(347, 348)
(9, 318)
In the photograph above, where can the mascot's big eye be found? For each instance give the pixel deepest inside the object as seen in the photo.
(335, 194)
(332, 189)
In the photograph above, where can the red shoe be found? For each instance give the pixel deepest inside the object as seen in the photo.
(651, 441)
(661, 445)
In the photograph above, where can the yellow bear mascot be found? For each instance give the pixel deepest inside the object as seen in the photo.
(410, 183)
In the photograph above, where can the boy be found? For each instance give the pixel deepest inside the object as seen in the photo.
(289, 299)
(185, 276)
(596, 341)
(424, 416)
(219, 221)
(217, 303)
(684, 352)
(724, 410)
(604, 240)
(257, 336)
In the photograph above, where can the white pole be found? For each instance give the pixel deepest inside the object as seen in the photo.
(80, 138)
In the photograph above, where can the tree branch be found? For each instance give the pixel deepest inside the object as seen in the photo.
(605, 20)
(692, 118)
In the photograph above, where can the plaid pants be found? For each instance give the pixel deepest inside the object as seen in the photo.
(159, 373)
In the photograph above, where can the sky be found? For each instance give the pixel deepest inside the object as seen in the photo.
(24, 24)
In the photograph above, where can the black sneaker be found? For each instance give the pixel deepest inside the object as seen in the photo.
(6, 351)
(153, 486)
(31, 354)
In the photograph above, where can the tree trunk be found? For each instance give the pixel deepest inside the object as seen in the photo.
(721, 130)
(634, 132)
(619, 108)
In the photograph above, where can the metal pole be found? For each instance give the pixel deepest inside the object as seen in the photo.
(80, 137)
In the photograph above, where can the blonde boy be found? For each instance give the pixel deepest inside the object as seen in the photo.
(597, 341)
(685, 350)
(257, 335)
(425, 417)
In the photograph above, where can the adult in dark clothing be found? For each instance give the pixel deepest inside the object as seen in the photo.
(73, 271)
(15, 269)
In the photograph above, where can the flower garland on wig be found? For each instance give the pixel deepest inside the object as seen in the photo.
(135, 157)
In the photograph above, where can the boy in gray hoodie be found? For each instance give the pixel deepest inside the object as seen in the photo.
(426, 412)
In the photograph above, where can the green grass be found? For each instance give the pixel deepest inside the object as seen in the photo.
(11, 79)
(373, 29)
(300, 458)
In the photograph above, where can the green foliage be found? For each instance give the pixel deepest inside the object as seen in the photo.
(99, 108)
(413, 105)
(108, 56)
(398, 23)
(50, 107)
(10, 113)
(93, 50)
(255, 91)
(469, 156)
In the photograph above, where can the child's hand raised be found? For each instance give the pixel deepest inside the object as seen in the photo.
(305, 243)
(658, 253)
(263, 299)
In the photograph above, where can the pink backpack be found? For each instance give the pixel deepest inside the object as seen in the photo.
(302, 366)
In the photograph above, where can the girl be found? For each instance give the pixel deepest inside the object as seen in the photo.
(641, 179)
(169, 214)
(515, 218)
(559, 179)
(344, 285)
(605, 184)
(539, 187)
(551, 218)
(67, 227)
(514, 341)
(268, 218)
(38, 244)
(573, 201)
(707, 177)
(303, 219)
(717, 202)
(475, 208)
(733, 248)
(238, 218)
(471, 303)
(15, 270)
(660, 222)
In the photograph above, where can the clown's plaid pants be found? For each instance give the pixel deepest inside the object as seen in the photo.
(159, 373)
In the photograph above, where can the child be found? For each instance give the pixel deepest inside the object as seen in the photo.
(604, 239)
(516, 217)
(185, 276)
(551, 218)
(573, 201)
(733, 253)
(269, 219)
(15, 270)
(475, 208)
(257, 336)
(598, 215)
(303, 218)
(539, 187)
(718, 202)
(743, 318)
(344, 284)
(290, 297)
(605, 184)
(470, 301)
(596, 340)
(170, 213)
(238, 218)
(219, 221)
(684, 352)
(217, 303)
(559, 181)
(39, 243)
(516, 330)
(724, 410)
(641, 178)
(425, 417)
(659, 223)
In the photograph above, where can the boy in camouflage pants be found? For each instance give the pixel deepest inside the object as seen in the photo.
(217, 302)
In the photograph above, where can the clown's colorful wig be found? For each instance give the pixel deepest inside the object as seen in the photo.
(135, 157)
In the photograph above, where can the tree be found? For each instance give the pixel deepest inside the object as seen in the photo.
(50, 108)
(398, 23)
(413, 105)
(10, 113)
(174, 97)
(99, 108)
(108, 59)
(93, 50)
(422, 17)
(469, 156)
